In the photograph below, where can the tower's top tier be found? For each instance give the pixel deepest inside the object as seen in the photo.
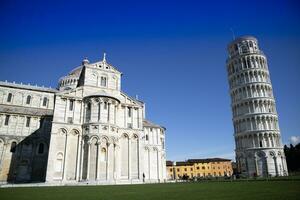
(243, 45)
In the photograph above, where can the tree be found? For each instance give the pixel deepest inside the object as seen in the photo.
(292, 155)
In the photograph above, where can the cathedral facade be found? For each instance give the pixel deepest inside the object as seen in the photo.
(86, 130)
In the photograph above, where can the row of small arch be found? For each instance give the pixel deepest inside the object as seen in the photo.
(256, 123)
(259, 134)
(242, 155)
(246, 62)
(112, 139)
(260, 140)
(96, 100)
(249, 77)
(254, 106)
(257, 117)
(66, 131)
(255, 90)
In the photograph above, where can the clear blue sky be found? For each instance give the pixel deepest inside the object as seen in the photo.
(172, 54)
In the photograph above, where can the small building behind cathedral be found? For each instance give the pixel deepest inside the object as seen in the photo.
(86, 130)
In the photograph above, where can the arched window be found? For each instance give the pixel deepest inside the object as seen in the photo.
(28, 99)
(103, 81)
(45, 101)
(41, 148)
(13, 147)
(6, 120)
(71, 105)
(28, 121)
(250, 44)
(89, 106)
(147, 137)
(9, 97)
(129, 111)
(88, 112)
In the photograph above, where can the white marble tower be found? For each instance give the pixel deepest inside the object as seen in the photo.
(259, 150)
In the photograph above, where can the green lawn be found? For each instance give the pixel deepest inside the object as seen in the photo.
(254, 190)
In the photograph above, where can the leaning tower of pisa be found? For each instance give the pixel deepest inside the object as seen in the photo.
(259, 151)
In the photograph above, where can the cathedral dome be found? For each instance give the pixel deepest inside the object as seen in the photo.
(71, 80)
(76, 71)
(75, 77)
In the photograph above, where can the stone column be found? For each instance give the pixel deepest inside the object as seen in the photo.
(108, 164)
(253, 107)
(78, 158)
(118, 165)
(256, 167)
(115, 114)
(88, 160)
(98, 161)
(158, 157)
(267, 167)
(140, 159)
(265, 140)
(149, 164)
(251, 125)
(269, 140)
(115, 164)
(129, 158)
(272, 140)
(99, 110)
(258, 140)
(276, 166)
(65, 110)
(81, 160)
(108, 112)
(65, 158)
